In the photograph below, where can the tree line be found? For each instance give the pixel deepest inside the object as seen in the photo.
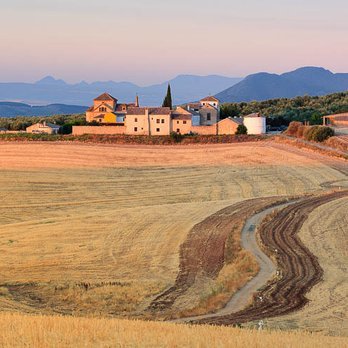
(20, 123)
(285, 110)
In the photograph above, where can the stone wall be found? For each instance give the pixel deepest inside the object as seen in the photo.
(204, 130)
(80, 130)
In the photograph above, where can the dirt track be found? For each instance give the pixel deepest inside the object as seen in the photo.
(204, 250)
(298, 269)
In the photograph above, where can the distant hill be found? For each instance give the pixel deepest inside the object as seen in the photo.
(185, 88)
(310, 81)
(11, 109)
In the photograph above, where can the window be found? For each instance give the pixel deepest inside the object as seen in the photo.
(162, 120)
(135, 129)
(102, 109)
(178, 130)
(177, 122)
(184, 122)
(135, 120)
(157, 129)
(208, 116)
(158, 120)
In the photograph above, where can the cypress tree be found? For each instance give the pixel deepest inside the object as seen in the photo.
(167, 102)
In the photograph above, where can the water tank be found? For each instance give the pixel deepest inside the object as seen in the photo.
(255, 123)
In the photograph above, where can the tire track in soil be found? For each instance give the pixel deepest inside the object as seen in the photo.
(299, 268)
(204, 250)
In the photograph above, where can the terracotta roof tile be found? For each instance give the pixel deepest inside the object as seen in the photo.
(152, 111)
(106, 97)
(194, 105)
(181, 117)
(342, 116)
(159, 111)
(210, 99)
(237, 120)
(136, 111)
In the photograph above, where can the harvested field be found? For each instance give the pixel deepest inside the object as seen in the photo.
(40, 331)
(325, 233)
(97, 229)
(299, 270)
(61, 155)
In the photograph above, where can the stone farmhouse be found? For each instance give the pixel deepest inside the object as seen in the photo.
(43, 128)
(113, 117)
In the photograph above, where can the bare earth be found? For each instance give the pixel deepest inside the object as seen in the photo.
(326, 235)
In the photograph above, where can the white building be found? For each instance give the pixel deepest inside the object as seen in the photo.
(255, 123)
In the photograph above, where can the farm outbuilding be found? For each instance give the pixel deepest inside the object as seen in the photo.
(43, 127)
(338, 120)
(255, 123)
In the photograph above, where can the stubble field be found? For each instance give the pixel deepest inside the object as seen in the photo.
(97, 229)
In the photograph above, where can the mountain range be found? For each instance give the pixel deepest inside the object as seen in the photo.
(64, 98)
(310, 81)
(49, 90)
(10, 109)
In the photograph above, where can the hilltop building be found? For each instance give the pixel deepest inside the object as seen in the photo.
(113, 117)
(106, 109)
(208, 109)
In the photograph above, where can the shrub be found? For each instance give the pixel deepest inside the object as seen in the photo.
(241, 129)
(301, 131)
(294, 128)
(177, 137)
(319, 133)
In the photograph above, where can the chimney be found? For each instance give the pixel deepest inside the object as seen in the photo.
(137, 101)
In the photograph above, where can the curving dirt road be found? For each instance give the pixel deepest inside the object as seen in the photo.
(204, 251)
(267, 268)
(298, 269)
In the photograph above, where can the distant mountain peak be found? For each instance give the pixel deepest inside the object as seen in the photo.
(50, 80)
(308, 80)
(312, 68)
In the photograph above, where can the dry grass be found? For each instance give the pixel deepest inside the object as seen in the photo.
(39, 332)
(61, 155)
(72, 214)
(325, 233)
(230, 279)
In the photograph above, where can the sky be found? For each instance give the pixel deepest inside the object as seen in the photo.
(150, 41)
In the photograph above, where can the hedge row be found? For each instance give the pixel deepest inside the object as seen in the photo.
(311, 133)
(132, 139)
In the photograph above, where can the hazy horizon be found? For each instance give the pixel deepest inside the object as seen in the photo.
(153, 41)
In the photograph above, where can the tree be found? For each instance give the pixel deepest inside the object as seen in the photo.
(167, 102)
(241, 129)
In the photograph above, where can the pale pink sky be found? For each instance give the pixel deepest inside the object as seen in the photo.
(148, 41)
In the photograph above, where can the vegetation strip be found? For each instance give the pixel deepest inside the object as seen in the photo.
(298, 268)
